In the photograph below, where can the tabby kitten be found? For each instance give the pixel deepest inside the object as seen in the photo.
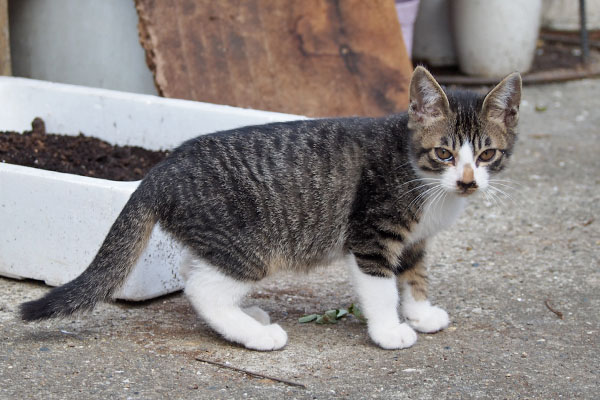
(295, 195)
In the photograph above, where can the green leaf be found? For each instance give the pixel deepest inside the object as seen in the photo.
(539, 108)
(307, 318)
(354, 310)
(328, 318)
(331, 315)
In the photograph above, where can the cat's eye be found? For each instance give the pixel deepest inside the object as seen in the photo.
(487, 155)
(443, 154)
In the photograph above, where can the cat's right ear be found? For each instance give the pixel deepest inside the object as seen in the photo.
(428, 102)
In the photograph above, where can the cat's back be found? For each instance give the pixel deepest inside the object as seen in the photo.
(300, 136)
(306, 148)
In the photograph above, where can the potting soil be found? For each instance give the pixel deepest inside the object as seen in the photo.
(80, 155)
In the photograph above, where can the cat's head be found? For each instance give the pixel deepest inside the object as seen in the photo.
(459, 137)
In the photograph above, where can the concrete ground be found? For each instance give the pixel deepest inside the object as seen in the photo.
(499, 273)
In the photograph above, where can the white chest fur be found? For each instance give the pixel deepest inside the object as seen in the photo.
(438, 215)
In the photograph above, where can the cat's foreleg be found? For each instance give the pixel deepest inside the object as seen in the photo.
(378, 298)
(216, 297)
(258, 314)
(416, 308)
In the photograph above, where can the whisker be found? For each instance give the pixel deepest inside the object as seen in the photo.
(426, 192)
(506, 181)
(417, 188)
(515, 191)
(493, 200)
(498, 190)
(425, 198)
(431, 198)
(499, 201)
(515, 196)
(420, 180)
(443, 199)
(435, 202)
(402, 165)
(422, 195)
(504, 184)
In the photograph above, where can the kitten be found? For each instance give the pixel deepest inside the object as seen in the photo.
(295, 195)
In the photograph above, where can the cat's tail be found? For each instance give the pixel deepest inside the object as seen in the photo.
(112, 264)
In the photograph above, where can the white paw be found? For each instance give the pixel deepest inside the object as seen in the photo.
(271, 337)
(258, 314)
(392, 337)
(426, 318)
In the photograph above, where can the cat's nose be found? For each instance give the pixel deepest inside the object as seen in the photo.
(466, 187)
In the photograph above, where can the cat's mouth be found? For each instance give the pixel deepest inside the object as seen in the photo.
(462, 193)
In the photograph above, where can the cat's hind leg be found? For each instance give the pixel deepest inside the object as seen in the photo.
(216, 297)
(416, 308)
(378, 298)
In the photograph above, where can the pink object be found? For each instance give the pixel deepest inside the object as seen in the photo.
(407, 14)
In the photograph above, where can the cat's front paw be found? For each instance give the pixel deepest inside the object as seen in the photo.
(400, 336)
(271, 337)
(424, 317)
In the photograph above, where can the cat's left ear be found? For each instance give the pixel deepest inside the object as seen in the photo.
(501, 105)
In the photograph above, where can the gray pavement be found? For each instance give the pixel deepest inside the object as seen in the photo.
(493, 272)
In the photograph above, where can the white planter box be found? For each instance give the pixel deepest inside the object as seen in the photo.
(52, 224)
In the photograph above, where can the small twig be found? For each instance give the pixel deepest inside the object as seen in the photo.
(588, 222)
(254, 374)
(558, 313)
(73, 334)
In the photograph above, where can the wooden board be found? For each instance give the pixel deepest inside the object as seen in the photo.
(309, 57)
(5, 66)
